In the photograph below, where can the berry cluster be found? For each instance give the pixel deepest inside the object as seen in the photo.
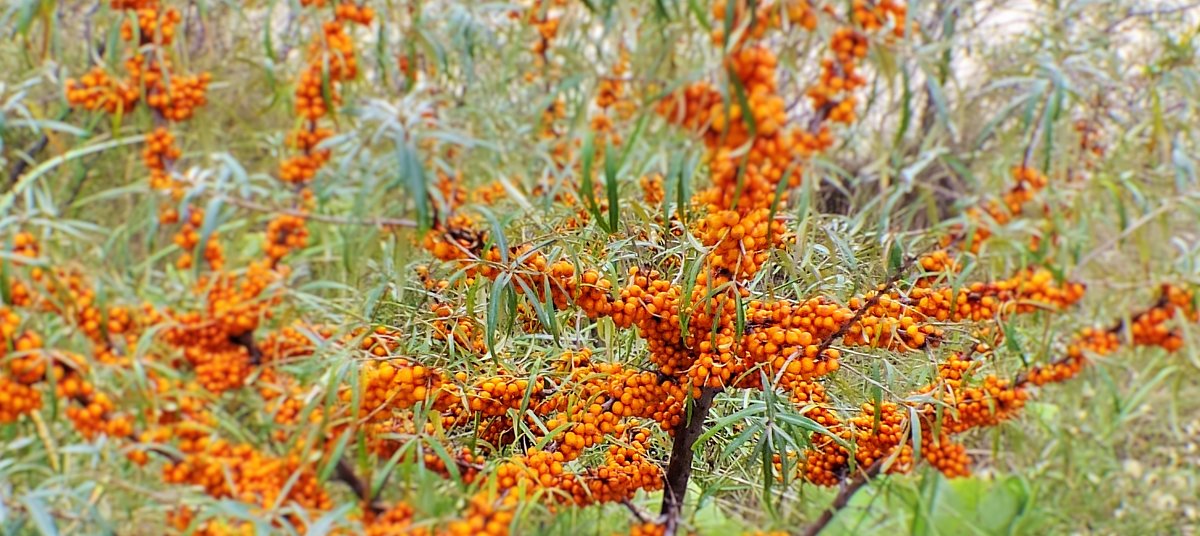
(242, 472)
(285, 233)
(544, 16)
(954, 405)
(331, 63)
(875, 15)
(188, 237)
(174, 96)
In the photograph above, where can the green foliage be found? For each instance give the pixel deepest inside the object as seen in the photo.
(988, 85)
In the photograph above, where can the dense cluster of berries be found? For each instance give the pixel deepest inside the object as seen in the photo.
(331, 62)
(213, 339)
(160, 151)
(544, 16)
(188, 237)
(1002, 211)
(301, 168)
(1096, 341)
(97, 90)
(285, 233)
(17, 399)
(490, 193)
(153, 26)
(173, 95)
(877, 14)
(398, 384)
(1151, 327)
(464, 333)
(881, 433)
(246, 474)
(614, 103)
(832, 95)
(652, 189)
(97, 417)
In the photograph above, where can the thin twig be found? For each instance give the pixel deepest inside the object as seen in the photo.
(1133, 226)
(891, 281)
(22, 164)
(887, 287)
(323, 218)
(1036, 136)
(637, 512)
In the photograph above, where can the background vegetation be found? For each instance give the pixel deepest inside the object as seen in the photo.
(1099, 96)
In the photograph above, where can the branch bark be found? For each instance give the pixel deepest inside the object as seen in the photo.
(22, 164)
(246, 340)
(679, 469)
(843, 498)
(345, 473)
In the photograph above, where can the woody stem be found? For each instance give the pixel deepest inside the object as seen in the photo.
(679, 469)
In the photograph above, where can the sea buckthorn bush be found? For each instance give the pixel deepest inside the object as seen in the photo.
(598, 267)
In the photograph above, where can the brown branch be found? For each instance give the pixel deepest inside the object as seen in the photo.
(825, 344)
(1117, 328)
(884, 289)
(637, 512)
(371, 222)
(165, 454)
(170, 456)
(22, 164)
(843, 498)
(345, 473)
(679, 468)
(246, 340)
